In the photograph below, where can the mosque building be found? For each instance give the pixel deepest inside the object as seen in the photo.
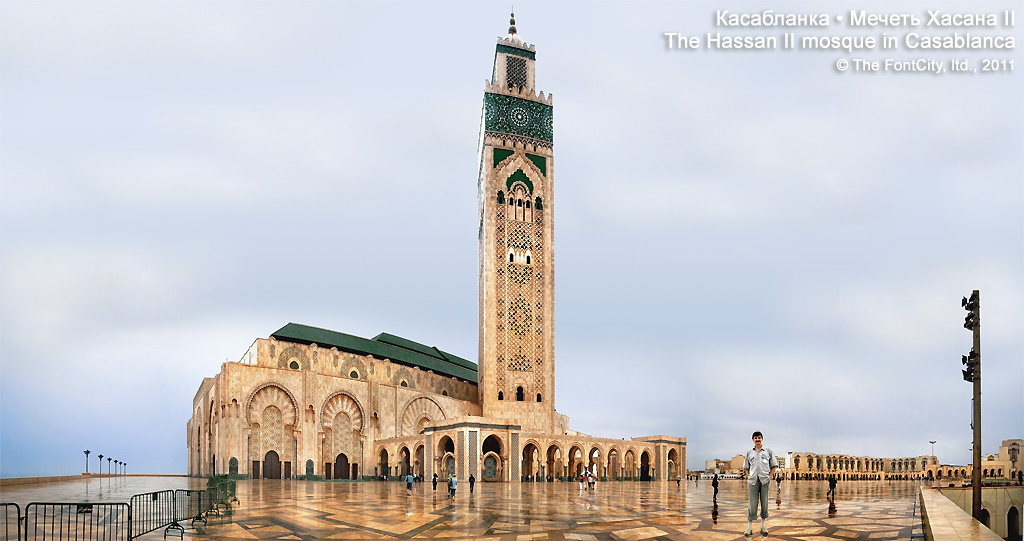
(314, 403)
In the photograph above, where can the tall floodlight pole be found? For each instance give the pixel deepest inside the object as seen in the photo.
(973, 374)
(86, 461)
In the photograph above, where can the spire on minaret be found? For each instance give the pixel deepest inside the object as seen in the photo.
(513, 36)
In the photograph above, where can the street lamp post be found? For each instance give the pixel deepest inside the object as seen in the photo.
(86, 461)
(108, 465)
(101, 464)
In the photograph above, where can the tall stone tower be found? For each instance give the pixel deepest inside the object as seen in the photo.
(516, 234)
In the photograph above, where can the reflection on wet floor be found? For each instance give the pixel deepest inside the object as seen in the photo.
(629, 510)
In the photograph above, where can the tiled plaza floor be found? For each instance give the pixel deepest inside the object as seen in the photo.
(512, 511)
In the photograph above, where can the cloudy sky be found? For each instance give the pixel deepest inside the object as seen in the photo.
(744, 240)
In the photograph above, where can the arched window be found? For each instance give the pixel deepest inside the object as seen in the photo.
(444, 393)
(294, 365)
(501, 395)
(353, 374)
(511, 257)
(527, 203)
(501, 197)
(404, 383)
(538, 397)
(520, 395)
(527, 259)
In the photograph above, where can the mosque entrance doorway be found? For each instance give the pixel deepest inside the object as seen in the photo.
(645, 467)
(490, 468)
(341, 467)
(272, 466)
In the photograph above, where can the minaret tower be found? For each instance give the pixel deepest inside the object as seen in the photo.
(516, 233)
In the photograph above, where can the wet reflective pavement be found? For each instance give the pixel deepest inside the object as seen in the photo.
(271, 509)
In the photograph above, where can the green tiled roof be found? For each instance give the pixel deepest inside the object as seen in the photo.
(383, 346)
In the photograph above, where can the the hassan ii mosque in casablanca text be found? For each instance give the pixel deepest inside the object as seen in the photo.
(313, 403)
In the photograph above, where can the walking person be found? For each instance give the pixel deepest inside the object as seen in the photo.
(453, 483)
(760, 465)
(409, 479)
(679, 478)
(472, 481)
(778, 489)
(714, 484)
(831, 487)
(433, 480)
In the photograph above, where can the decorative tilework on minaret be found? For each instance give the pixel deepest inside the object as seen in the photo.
(515, 190)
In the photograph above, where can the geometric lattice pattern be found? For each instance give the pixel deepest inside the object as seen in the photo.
(519, 290)
(272, 429)
(515, 72)
(518, 116)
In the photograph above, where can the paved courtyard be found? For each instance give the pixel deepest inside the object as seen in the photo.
(630, 510)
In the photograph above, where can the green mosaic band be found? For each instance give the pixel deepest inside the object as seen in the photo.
(518, 116)
(518, 52)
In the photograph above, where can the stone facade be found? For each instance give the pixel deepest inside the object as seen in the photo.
(1004, 465)
(848, 467)
(310, 402)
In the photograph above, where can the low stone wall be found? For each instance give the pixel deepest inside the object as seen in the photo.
(996, 500)
(14, 481)
(945, 521)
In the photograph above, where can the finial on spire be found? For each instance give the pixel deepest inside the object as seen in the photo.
(512, 23)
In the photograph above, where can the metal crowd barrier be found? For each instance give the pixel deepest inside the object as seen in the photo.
(192, 505)
(115, 521)
(221, 491)
(11, 524)
(152, 511)
(99, 521)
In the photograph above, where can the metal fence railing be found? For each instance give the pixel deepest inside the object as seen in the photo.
(10, 520)
(77, 521)
(192, 505)
(152, 511)
(115, 521)
(221, 491)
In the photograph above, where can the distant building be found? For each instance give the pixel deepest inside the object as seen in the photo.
(1006, 464)
(848, 467)
(721, 467)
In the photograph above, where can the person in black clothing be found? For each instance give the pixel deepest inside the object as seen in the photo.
(714, 483)
(434, 482)
(831, 487)
(472, 481)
